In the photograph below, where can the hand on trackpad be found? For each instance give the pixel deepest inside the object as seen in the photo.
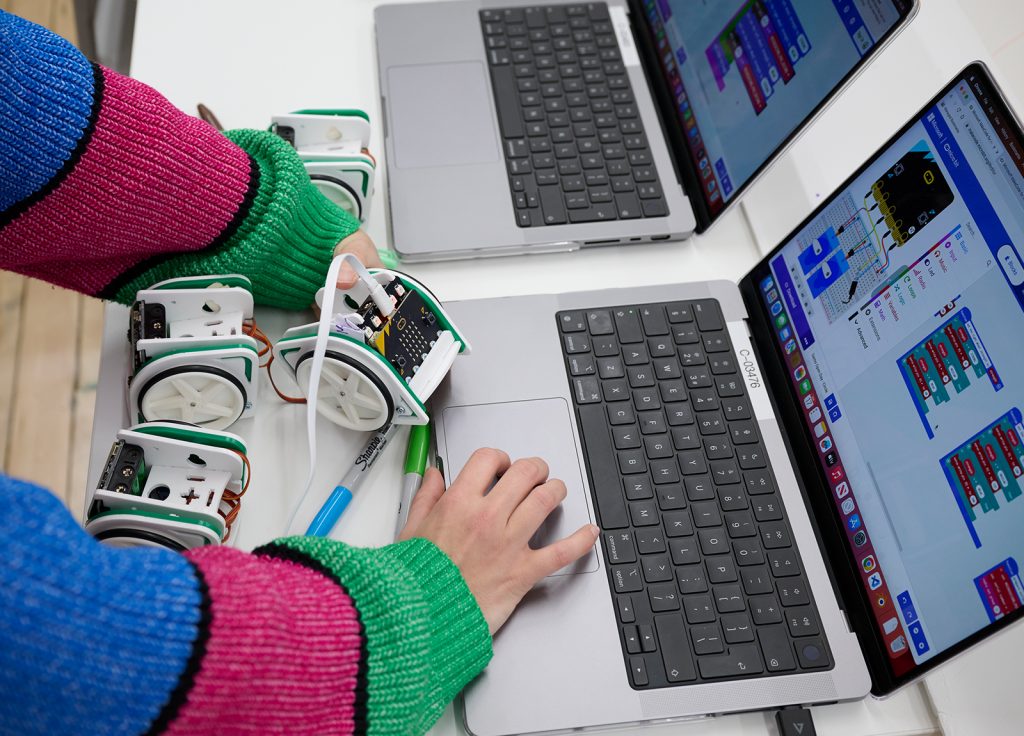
(539, 428)
(441, 115)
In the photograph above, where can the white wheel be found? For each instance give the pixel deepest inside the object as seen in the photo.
(338, 192)
(349, 394)
(208, 397)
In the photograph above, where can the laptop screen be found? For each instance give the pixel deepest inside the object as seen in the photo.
(899, 308)
(746, 75)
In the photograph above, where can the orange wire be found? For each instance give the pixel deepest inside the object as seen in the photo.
(285, 397)
(234, 500)
(256, 333)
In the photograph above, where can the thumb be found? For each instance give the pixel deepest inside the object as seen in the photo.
(430, 492)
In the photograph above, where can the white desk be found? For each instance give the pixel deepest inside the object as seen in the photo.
(249, 59)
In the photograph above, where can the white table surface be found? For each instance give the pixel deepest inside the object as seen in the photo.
(249, 59)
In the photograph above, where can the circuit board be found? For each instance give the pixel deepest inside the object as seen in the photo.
(410, 332)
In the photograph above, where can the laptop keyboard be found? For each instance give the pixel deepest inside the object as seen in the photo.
(706, 582)
(574, 143)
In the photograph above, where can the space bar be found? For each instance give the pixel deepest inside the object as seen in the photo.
(506, 99)
(604, 473)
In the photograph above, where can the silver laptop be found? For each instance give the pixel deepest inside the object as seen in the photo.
(808, 484)
(519, 127)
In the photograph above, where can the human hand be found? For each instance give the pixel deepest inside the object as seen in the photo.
(487, 534)
(359, 245)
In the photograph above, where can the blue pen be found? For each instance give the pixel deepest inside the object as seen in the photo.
(336, 503)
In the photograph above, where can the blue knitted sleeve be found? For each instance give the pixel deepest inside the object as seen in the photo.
(44, 115)
(93, 639)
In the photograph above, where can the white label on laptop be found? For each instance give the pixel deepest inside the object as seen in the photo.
(750, 371)
(621, 22)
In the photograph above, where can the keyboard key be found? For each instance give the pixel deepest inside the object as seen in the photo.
(722, 569)
(576, 343)
(638, 671)
(646, 634)
(627, 322)
(637, 487)
(756, 580)
(618, 546)
(775, 535)
(552, 205)
(678, 524)
(650, 541)
(657, 568)
(604, 485)
(707, 639)
(713, 541)
(741, 660)
(783, 562)
(766, 508)
(778, 654)
(621, 414)
(811, 653)
(802, 621)
(740, 524)
(587, 390)
(627, 578)
(705, 514)
(675, 648)
(625, 605)
(737, 628)
(670, 497)
(663, 597)
(646, 399)
(793, 592)
(765, 609)
(643, 513)
(631, 637)
(582, 365)
(632, 461)
(758, 482)
(708, 315)
(699, 609)
(728, 598)
(747, 552)
(626, 437)
(684, 551)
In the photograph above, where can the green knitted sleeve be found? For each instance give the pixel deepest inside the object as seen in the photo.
(284, 244)
(425, 635)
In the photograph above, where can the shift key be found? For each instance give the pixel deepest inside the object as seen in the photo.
(675, 648)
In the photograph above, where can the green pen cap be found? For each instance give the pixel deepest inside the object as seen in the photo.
(416, 453)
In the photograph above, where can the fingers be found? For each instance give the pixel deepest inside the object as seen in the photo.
(429, 493)
(516, 484)
(361, 246)
(554, 557)
(480, 472)
(535, 508)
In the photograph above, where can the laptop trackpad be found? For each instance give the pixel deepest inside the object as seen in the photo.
(441, 115)
(540, 428)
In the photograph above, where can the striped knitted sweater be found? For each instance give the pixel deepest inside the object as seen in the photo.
(303, 636)
(107, 188)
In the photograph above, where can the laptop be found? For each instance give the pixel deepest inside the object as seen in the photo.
(809, 484)
(519, 127)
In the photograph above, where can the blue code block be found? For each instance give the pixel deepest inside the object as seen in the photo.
(829, 272)
(819, 250)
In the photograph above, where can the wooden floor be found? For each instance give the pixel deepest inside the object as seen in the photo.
(49, 353)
